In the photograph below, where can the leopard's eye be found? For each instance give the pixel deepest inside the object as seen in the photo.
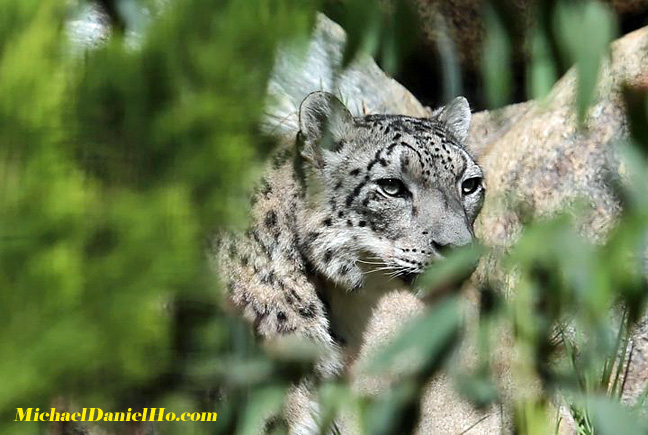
(471, 185)
(393, 187)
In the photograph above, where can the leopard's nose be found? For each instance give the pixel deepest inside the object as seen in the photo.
(452, 230)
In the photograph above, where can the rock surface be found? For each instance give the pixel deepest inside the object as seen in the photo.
(536, 153)
(363, 87)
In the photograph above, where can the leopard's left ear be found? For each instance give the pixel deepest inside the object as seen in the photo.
(456, 115)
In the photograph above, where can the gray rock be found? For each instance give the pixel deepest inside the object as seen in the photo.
(363, 86)
(535, 153)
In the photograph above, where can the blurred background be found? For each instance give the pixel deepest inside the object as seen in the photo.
(130, 131)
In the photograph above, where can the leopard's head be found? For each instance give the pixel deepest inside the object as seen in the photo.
(393, 193)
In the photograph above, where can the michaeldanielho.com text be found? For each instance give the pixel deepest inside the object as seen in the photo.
(97, 414)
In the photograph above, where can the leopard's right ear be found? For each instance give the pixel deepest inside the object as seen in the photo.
(324, 123)
(456, 116)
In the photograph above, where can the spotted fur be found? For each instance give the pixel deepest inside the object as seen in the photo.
(329, 229)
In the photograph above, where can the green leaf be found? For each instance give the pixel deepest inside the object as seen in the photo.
(609, 417)
(543, 72)
(264, 404)
(497, 61)
(586, 31)
(452, 270)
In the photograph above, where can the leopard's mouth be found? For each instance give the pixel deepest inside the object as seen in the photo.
(410, 277)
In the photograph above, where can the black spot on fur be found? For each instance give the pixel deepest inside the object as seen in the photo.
(259, 316)
(349, 223)
(307, 312)
(281, 158)
(274, 424)
(295, 295)
(344, 269)
(231, 251)
(355, 193)
(328, 222)
(354, 172)
(271, 219)
(311, 237)
(254, 234)
(327, 256)
(406, 145)
(266, 189)
(404, 164)
(362, 224)
(281, 317)
(268, 279)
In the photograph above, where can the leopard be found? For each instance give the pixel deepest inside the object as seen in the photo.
(350, 209)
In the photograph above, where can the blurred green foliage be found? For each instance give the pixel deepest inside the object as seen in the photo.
(116, 164)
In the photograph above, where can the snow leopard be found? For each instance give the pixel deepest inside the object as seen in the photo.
(352, 208)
